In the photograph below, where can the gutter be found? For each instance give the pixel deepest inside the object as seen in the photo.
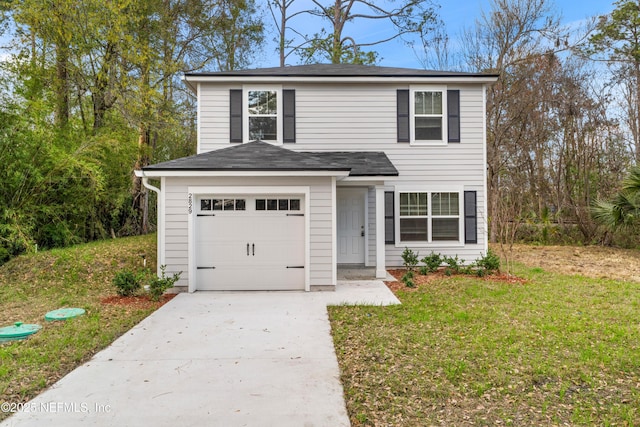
(161, 232)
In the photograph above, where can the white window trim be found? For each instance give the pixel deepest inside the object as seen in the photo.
(412, 114)
(430, 243)
(245, 110)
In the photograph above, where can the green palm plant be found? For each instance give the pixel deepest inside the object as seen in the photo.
(623, 211)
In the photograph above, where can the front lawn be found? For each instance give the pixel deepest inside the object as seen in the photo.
(31, 285)
(556, 350)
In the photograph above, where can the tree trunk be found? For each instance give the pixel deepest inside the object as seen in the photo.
(61, 86)
(283, 32)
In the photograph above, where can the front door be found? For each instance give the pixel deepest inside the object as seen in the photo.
(351, 232)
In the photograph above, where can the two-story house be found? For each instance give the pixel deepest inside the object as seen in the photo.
(301, 169)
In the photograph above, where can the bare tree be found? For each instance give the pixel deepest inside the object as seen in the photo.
(281, 14)
(617, 40)
(407, 17)
(503, 40)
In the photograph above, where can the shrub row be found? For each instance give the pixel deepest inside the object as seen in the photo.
(486, 264)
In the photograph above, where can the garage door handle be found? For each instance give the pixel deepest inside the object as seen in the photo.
(247, 249)
(295, 266)
(206, 268)
(253, 249)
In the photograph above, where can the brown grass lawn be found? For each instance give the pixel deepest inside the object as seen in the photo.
(598, 262)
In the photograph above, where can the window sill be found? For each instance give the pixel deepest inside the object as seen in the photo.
(261, 140)
(440, 244)
(428, 143)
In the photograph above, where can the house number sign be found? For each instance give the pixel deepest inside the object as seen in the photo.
(190, 202)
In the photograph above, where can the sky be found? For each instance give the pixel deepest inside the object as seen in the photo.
(457, 15)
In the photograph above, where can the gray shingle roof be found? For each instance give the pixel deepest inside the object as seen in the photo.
(362, 163)
(262, 156)
(340, 70)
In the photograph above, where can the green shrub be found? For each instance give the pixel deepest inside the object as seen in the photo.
(407, 279)
(488, 263)
(453, 265)
(127, 283)
(431, 263)
(158, 285)
(409, 259)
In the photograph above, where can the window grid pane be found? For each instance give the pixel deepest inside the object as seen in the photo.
(428, 103)
(428, 128)
(414, 229)
(445, 229)
(263, 128)
(263, 102)
(413, 204)
(443, 204)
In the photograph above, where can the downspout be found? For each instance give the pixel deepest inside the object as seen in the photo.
(160, 215)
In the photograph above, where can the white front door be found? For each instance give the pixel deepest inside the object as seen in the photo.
(249, 242)
(351, 232)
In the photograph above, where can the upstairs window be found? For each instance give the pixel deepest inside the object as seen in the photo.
(427, 116)
(262, 115)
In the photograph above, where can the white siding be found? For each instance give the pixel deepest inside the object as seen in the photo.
(362, 117)
(176, 222)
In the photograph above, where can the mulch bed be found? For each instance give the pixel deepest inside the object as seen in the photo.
(421, 280)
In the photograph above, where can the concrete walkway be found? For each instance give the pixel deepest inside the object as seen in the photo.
(213, 359)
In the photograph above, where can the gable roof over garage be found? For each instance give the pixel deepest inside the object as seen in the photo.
(262, 156)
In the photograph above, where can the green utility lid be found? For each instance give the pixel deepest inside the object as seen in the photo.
(18, 331)
(63, 314)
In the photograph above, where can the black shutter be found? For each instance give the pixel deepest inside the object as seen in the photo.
(403, 115)
(235, 121)
(453, 115)
(289, 115)
(470, 217)
(389, 221)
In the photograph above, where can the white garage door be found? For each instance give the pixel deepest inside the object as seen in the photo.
(248, 242)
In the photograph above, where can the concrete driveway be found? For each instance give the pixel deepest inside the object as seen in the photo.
(213, 359)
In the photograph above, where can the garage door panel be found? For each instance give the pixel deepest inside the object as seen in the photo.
(276, 241)
(220, 253)
(268, 278)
